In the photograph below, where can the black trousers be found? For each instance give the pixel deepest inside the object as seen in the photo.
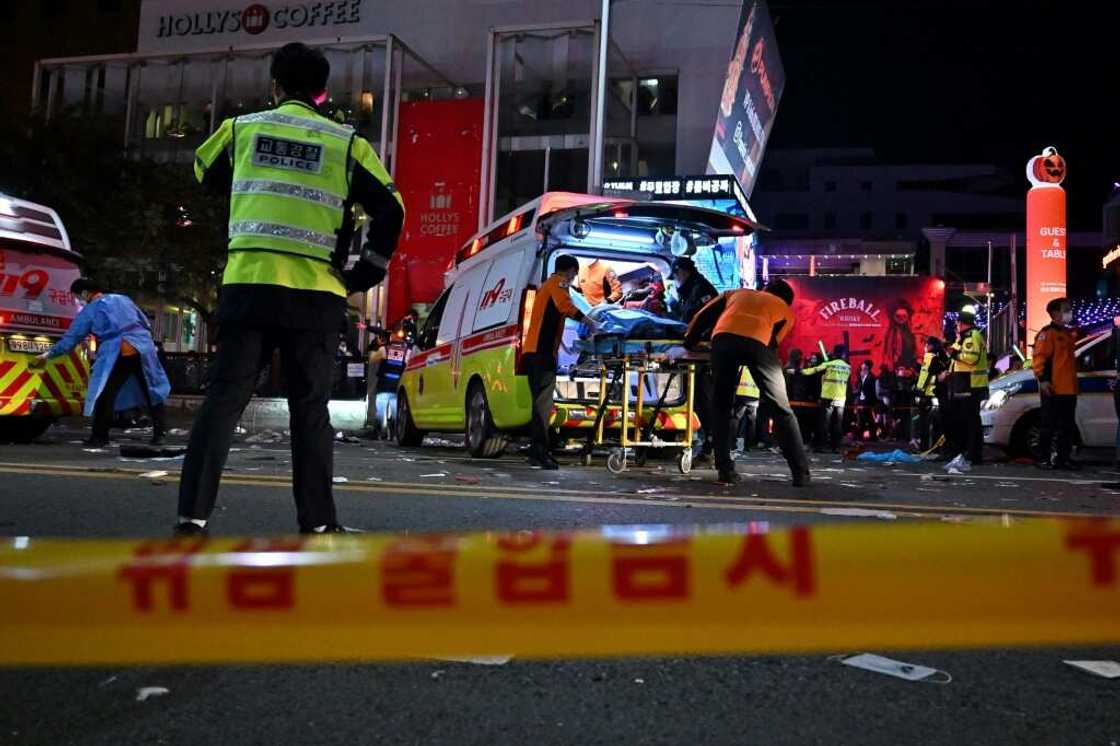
(541, 370)
(746, 413)
(729, 353)
(963, 430)
(308, 360)
(925, 432)
(830, 424)
(1059, 420)
(702, 403)
(123, 369)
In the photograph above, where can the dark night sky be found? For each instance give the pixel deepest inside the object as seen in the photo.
(954, 81)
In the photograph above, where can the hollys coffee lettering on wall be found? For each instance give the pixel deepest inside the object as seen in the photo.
(235, 22)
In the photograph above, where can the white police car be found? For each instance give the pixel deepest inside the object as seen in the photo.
(1012, 413)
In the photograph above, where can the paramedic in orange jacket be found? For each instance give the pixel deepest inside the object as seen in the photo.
(599, 283)
(746, 327)
(1055, 367)
(551, 307)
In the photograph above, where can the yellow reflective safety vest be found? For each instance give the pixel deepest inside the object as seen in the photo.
(970, 355)
(288, 222)
(926, 383)
(747, 387)
(834, 382)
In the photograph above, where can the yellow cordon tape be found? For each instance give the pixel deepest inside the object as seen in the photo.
(618, 591)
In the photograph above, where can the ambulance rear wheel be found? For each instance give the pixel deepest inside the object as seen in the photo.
(483, 438)
(407, 433)
(22, 429)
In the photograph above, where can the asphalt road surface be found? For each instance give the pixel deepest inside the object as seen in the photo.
(57, 488)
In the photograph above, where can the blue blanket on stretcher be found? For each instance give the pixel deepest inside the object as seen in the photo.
(633, 324)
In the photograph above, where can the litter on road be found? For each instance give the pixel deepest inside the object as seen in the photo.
(892, 667)
(432, 476)
(1105, 669)
(153, 474)
(146, 692)
(340, 480)
(478, 660)
(860, 513)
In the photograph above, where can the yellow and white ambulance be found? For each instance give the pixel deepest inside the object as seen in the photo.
(462, 375)
(37, 266)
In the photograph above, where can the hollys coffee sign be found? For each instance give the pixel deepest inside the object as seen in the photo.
(255, 19)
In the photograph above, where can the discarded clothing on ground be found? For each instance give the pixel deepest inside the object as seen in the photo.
(896, 455)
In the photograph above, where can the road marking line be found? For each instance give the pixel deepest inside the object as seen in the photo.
(715, 502)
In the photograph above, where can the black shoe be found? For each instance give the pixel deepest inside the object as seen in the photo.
(553, 463)
(189, 529)
(158, 439)
(546, 463)
(802, 479)
(95, 442)
(728, 476)
(1045, 465)
(330, 528)
(1067, 466)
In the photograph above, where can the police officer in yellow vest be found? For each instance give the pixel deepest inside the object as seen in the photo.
(967, 380)
(927, 388)
(746, 410)
(294, 177)
(835, 374)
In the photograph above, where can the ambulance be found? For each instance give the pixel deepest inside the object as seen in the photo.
(37, 266)
(463, 374)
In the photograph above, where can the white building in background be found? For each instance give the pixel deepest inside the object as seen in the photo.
(200, 60)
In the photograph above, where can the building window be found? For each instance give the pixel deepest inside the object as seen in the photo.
(829, 221)
(865, 221)
(830, 186)
(901, 221)
(792, 221)
(865, 186)
(770, 180)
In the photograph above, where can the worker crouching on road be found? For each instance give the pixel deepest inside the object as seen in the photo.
(127, 372)
(1055, 367)
(745, 327)
(551, 307)
(293, 176)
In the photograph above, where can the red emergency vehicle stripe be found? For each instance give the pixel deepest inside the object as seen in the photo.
(80, 366)
(5, 366)
(437, 354)
(493, 338)
(63, 403)
(64, 372)
(21, 381)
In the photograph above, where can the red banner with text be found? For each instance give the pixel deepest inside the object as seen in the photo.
(439, 157)
(882, 319)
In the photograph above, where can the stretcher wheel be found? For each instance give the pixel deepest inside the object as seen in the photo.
(616, 462)
(585, 459)
(684, 461)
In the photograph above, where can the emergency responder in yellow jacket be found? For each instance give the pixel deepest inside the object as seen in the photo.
(293, 177)
(1055, 366)
(934, 363)
(551, 307)
(967, 390)
(746, 327)
(835, 374)
(746, 410)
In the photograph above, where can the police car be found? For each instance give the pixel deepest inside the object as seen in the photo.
(1012, 413)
